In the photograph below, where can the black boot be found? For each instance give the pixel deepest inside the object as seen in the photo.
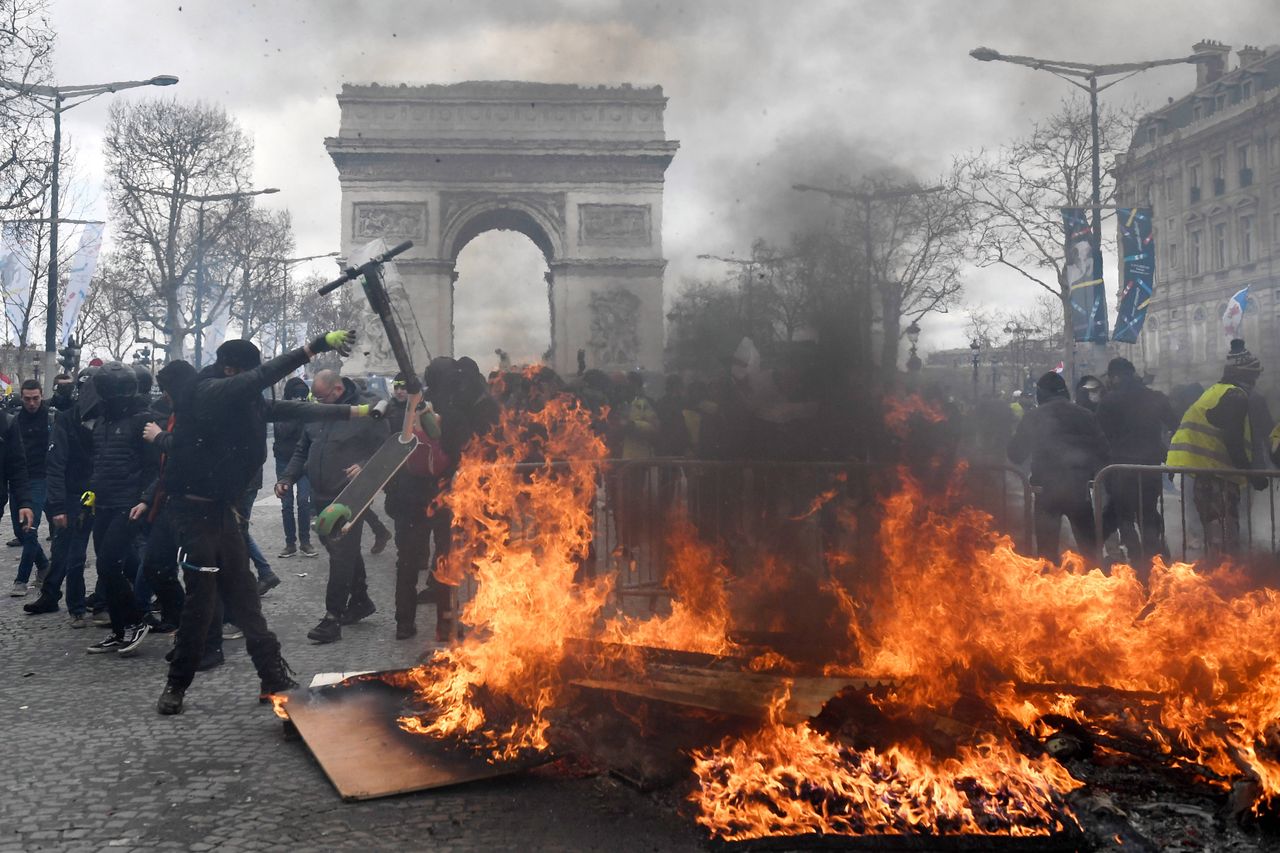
(356, 611)
(277, 678)
(170, 700)
(43, 604)
(328, 631)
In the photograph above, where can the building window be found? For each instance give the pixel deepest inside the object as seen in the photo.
(1199, 342)
(1193, 181)
(1218, 167)
(1246, 90)
(1151, 341)
(1220, 246)
(1193, 249)
(1219, 101)
(1170, 188)
(1246, 239)
(1197, 111)
(1144, 196)
(1246, 167)
(1173, 256)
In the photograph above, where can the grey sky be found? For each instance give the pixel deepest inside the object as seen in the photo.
(761, 93)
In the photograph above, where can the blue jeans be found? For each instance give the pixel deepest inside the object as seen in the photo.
(70, 545)
(299, 529)
(259, 560)
(32, 552)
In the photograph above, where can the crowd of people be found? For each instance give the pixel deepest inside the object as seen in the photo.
(1117, 419)
(163, 485)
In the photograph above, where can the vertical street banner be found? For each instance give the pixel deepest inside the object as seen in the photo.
(83, 264)
(1088, 296)
(15, 278)
(1137, 271)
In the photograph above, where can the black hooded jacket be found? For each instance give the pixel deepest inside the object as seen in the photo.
(220, 430)
(123, 463)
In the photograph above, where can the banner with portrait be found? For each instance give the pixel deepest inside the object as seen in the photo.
(1137, 271)
(1088, 295)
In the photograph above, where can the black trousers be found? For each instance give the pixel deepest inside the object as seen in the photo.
(1135, 510)
(1050, 506)
(116, 560)
(346, 569)
(412, 553)
(440, 522)
(209, 535)
(161, 568)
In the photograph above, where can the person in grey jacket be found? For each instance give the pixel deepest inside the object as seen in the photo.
(330, 455)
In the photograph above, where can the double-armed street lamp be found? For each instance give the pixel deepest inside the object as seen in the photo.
(57, 100)
(913, 337)
(200, 201)
(1073, 72)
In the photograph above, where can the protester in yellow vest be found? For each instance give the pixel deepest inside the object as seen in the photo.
(1215, 433)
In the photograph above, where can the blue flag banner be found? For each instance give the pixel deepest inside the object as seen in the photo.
(1084, 277)
(1138, 272)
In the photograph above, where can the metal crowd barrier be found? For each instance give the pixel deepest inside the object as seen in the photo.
(746, 509)
(1136, 501)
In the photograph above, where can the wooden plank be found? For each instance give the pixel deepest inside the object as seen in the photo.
(351, 730)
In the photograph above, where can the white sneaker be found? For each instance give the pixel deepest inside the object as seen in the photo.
(19, 590)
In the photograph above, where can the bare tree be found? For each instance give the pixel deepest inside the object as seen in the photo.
(1017, 192)
(159, 154)
(253, 274)
(26, 48)
(108, 318)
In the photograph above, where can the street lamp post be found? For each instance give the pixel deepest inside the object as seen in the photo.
(1091, 73)
(868, 198)
(975, 349)
(197, 318)
(57, 100)
(913, 361)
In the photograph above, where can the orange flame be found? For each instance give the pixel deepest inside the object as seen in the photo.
(791, 780)
(278, 701)
(523, 536)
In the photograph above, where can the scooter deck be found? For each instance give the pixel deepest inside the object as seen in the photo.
(376, 473)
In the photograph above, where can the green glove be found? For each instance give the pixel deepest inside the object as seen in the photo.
(361, 411)
(334, 515)
(338, 341)
(430, 422)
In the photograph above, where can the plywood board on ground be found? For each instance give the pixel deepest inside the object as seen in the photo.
(351, 730)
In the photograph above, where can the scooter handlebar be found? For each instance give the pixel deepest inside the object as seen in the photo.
(356, 272)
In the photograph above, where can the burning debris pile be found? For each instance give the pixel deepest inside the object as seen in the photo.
(958, 684)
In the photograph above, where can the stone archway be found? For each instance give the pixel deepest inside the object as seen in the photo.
(578, 170)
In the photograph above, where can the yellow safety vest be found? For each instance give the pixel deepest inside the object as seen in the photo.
(1198, 443)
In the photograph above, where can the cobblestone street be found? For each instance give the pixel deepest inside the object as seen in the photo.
(90, 765)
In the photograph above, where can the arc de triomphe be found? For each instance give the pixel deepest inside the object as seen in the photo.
(579, 170)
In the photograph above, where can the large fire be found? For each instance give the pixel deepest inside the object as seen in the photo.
(950, 611)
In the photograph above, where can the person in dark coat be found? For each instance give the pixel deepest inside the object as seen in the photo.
(218, 449)
(331, 454)
(1136, 421)
(122, 470)
(297, 529)
(1066, 448)
(31, 426)
(67, 470)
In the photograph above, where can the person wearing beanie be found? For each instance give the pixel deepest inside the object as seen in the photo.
(218, 449)
(1215, 433)
(1066, 449)
(1136, 420)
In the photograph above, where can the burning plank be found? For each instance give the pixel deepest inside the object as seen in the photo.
(351, 730)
